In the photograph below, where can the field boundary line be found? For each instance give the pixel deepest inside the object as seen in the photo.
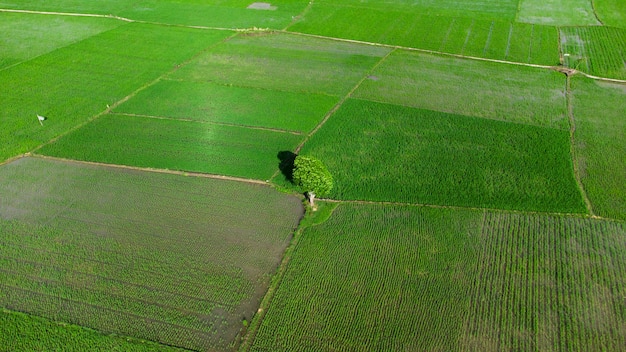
(572, 144)
(129, 20)
(154, 170)
(73, 14)
(182, 119)
(343, 100)
(458, 207)
(595, 12)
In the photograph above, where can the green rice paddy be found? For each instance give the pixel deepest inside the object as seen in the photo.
(209, 102)
(155, 256)
(176, 145)
(382, 152)
(484, 89)
(377, 277)
(600, 146)
(479, 175)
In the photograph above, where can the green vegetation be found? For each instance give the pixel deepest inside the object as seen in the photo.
(484, 89)
(24, 36)
(286, 62)
(312, 176)
(557, 12)
(611, 12)
(595, 50)
(213, 13)
(382, 152)
(493, 9)
(479, 201)
(492, 38)
(203, 101)
(22, 332)
(600, 144)
(179, 260)
(383, 278)
(176, 145)
(72, 84)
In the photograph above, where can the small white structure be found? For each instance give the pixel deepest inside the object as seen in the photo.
(41, 119)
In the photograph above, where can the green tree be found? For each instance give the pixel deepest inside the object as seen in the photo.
(312, 177)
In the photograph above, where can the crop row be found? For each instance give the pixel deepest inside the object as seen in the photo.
(597, 50)
(106, 250)
(406, 278)
(366, 278)
(548, 283)
(22, 332)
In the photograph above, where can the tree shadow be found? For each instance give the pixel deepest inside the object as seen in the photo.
(285, 165)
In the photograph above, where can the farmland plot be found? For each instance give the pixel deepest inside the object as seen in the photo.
(596, 50)
(383, 152)
(600, 144)
(611, 12)
(494, 39)
(72, 84)
(203, 101)
(217, 13)
(494, 9)
(385, 278)
(174, 259)
(375, 278)
(176, 145)
(22, 332)
(484, 89)
(547, 283)
(557, 12)
(24, 36)
(284, 62)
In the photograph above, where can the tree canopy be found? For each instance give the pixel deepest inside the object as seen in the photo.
(312, 176)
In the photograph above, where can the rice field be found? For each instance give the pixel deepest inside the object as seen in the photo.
(599, 51)
(24, 36)
(463, 35)
(23, 332)
(209, 102)
(177, 260)
(456, 222)
(600, 146)
(72, 84)
(493, 9)
(557, 12)
(611, 12)
(490, 90)
(214, 13)
(176, 145)
(383, 152)
(407, 278)
(285, 62)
